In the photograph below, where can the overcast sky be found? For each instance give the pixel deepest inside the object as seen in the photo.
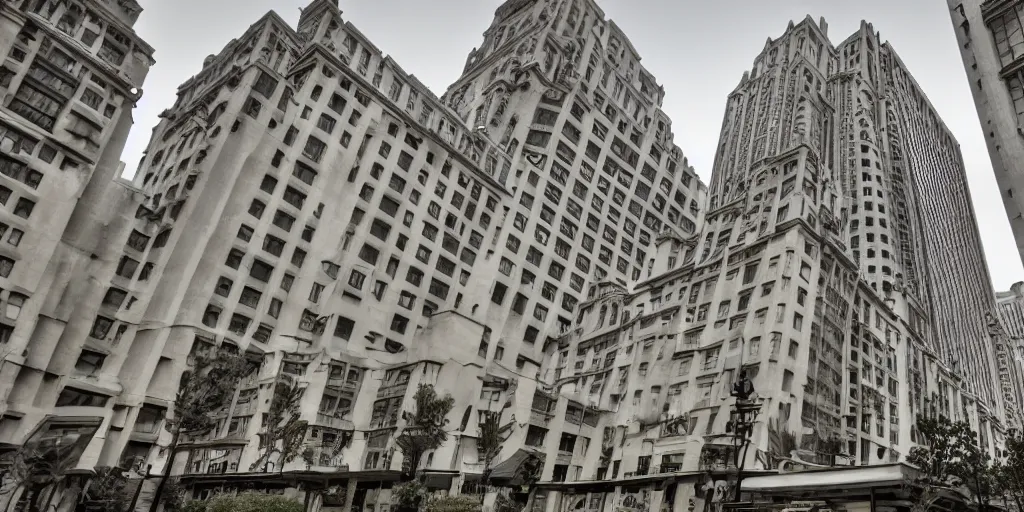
(697, 49)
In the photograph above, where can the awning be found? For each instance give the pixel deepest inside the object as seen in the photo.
(507, 471)
(833, 478)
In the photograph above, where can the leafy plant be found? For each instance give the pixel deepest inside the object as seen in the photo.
(489, 443)
(425, 428)
(108, 491)
(504, 503)
(246, 502)
(950, 455)
(453, 504)
(408, 496)
(284, 433)
(37, 468)
(206, 387)
(1008, 475)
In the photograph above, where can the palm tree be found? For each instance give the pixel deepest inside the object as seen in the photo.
(425, 428)
(283, 426)
(47, 468)
(489, 443)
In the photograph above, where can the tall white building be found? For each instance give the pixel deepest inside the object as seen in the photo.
(992, 46)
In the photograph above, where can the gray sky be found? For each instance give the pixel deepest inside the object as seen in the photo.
(697, 49)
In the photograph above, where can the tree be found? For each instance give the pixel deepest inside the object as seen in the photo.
(950, 455)
(284, 433)
(425, 428)
(246, 502)
(489, 443)
(206, 387)
(108, 491)
(408, 496)
(1009, 474)
(35, 468)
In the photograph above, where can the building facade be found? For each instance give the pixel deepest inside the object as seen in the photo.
(308, 202)
(992, 48)
(532, 242)
(839, 269)
(71, 75)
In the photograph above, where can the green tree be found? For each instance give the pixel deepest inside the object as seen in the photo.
(207, 386)
(950, 455)
(489, 443)
(246, 502)
(425, 428)
(284, 433)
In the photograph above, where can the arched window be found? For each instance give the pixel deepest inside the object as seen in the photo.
(600, 320)
(615, 315)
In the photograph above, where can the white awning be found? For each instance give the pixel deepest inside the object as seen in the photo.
(833, 478)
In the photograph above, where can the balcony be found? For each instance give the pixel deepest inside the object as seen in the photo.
(334, 421)
(540, 418)
(324, 458)
(393, 390)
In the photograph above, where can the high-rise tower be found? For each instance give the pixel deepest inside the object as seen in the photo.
(71, 75)
(839, 269)
(310, 203)
(988, 34)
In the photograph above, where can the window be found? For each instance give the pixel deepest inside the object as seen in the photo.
(399, 324)
(304, 173)
(101, 327)
(498, 295)
(343, 329)
(250, 297)
(273, 245)
(414, 276)
(314, 149)
(286, 282)
(234, 258)
(356, 279)
(261, 271)
(256, 208)
(326, 123)
(369, 254)
(24, 208)
(438, 289)
(283, 220)
(294, 197)
(406, 300)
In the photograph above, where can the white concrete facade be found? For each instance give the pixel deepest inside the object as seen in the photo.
(989, 37)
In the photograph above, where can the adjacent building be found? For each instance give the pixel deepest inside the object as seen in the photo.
(988, 33)
(308, 202)
(839, 269)
(71, 74)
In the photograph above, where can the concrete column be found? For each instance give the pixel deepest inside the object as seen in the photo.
(350, 494)
(684, 492)
(656, 499)
(553, 501)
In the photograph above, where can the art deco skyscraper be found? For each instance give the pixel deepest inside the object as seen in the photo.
(310, 203)
(71, 75)
(991, 40)
(839, 268)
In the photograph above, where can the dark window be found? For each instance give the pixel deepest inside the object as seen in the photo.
(343, 329)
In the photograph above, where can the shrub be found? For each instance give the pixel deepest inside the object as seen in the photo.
(453, 504)
(248, 502)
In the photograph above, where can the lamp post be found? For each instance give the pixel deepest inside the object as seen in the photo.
(741, 424)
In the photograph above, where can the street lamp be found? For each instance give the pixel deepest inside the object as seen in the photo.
(741, 424)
